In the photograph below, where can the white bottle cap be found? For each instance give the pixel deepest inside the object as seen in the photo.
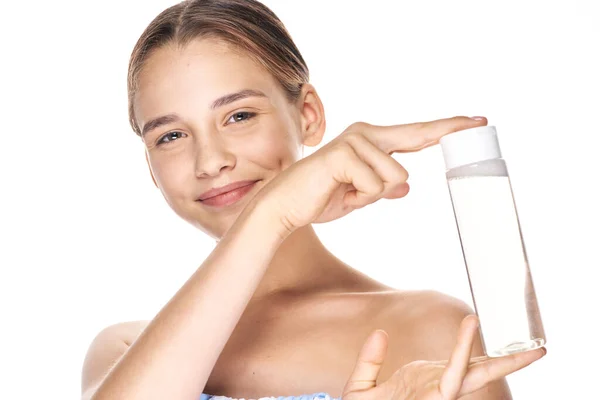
(470, 146)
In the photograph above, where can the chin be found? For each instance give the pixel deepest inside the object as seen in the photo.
(216, 221)
(218, 224)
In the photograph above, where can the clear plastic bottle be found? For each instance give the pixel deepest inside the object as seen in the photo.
(492, 243)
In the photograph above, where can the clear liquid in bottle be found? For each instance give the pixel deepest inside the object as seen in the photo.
(492, 243)
(497, 266)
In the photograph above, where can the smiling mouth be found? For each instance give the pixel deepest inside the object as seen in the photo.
(225, 197)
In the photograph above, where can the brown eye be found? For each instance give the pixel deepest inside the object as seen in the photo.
(170, 137)
(241, 116)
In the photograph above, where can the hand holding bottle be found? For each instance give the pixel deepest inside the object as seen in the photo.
(431, 380)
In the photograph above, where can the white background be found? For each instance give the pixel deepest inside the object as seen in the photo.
(82, 226)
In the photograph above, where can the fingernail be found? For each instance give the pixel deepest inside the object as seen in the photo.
(545, 351)
(478, 118)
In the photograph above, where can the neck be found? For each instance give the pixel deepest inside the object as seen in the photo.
(301, 264)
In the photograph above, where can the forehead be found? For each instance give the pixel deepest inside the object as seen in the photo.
(176, 78)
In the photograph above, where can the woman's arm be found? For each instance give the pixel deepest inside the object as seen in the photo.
(175, 354)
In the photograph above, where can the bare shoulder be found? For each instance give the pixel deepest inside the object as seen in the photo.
(428, 307)
(120, 335)
(105, 351)
(423, 306)
(426, 320)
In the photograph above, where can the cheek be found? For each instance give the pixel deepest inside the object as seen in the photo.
(273, 154)
(171, 176)
(274, 149)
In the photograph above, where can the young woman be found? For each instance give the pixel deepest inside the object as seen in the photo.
(221, 99)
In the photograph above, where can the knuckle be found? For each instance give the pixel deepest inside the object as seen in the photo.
(354, 136)
(418, 364)
(405, 375)
(411, 368)
(358, 127)
(487, 370)
(458, 122)
(400, 374)
(460, 118)
(395, 173)
(400, 174)
(378, 187)
(341, 151)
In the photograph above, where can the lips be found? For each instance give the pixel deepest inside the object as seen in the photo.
(226, 195)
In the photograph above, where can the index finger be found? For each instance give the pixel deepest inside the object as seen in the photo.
(482, 373)
(452, 378)
(416, 136)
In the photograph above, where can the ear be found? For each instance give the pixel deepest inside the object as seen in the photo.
(150, 169)
(312, 116)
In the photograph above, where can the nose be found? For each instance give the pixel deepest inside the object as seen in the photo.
(212, 156)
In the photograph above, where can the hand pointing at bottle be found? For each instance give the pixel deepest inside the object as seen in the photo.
(353, 170)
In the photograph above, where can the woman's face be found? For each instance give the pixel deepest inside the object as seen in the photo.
(213, 120)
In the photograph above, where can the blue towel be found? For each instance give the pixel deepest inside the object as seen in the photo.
(316, 396)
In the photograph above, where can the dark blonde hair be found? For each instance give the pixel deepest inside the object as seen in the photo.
(245, 24)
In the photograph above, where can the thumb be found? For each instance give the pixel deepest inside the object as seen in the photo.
(368, 365)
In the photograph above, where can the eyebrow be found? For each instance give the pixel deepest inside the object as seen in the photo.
(220, 102)
(158, 122)
(230, 98)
